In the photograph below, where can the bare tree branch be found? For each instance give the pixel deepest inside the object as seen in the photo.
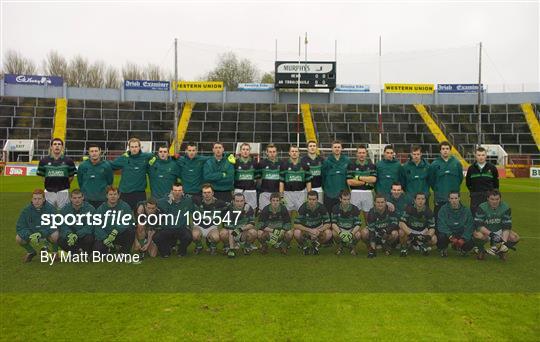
(111, 78)
(153, 72)
(96, 75)
(15, 63)
(55, 65)
(131, 71)
(78, 72)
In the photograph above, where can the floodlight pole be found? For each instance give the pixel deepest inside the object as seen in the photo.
(175, 90)
(298, 99)
(380, 103)
(480, 96)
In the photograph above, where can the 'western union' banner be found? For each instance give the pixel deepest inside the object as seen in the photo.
(199, 86)
(409, 88)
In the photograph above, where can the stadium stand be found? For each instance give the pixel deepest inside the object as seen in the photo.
(27, 118)
(111, 123)
(358, 124)
(502, 124)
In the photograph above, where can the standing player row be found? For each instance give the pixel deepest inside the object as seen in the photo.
(292, 177)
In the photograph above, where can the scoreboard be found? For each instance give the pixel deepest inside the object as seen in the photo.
(313, 75)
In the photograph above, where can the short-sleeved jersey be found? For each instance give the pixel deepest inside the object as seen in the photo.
(315, 168)
(235, 220)
(216, 205)
(56, 172)
(245, 174)
(367, 168)
(268, 172)
(496, 219)
(312, 217)
(378, 221)
(346, 217)
(418, 220)
(275, 219)
(294, 176)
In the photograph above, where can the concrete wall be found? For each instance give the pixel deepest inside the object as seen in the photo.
(121, 95)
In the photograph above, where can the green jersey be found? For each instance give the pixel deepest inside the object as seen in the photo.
(94, 178)
(81, 230)
(312, 217)
(244, 174)
(121, 210)
(315, 168)
(362, 169)
(496, 219)
(455, 221)
(30, 221)
(181, 210)
(214, 208)
(275, 218)
(400, 203)
(162, 175)
(295, 176)
(416, 177)
(377, 221)
(57, 172)
(418, 220)
(445, 177)
(388, 172)
(191, 172)
(246, 216)
(334, 173)
(346, 217)
(134, 167)
(219, 173)
(268, 172)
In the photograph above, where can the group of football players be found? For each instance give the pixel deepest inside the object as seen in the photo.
(243, 203)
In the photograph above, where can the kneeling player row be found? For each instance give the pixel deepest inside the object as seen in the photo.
(415, 228)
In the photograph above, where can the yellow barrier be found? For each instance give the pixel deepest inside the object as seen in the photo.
(532, 121)
(309, 127)
(182, 126)
(437, 133)
(60, 119)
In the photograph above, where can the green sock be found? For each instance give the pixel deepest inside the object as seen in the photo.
(28, 248)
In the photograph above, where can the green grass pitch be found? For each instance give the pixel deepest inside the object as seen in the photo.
(275, 297)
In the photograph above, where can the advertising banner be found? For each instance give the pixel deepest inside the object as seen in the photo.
(199, 86)
(146, 85)
(458, 88)
(53, 81)
(409, 88)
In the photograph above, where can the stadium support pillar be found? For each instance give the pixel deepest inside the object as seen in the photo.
(532, 121)
(60, 119)
(182, 126)
(437, 132)
(309, 127)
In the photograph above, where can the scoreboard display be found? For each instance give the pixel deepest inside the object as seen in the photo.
(313, 75)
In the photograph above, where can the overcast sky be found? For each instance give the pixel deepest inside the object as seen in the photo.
(422, 41)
